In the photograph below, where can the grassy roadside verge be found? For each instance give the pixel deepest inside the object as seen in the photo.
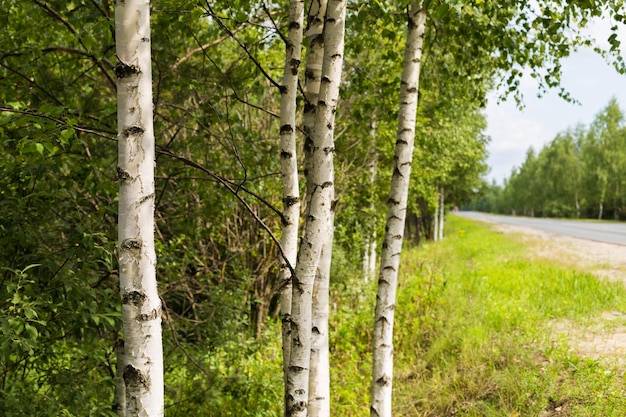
(473, 335)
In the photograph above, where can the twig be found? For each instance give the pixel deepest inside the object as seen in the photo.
(244, 47)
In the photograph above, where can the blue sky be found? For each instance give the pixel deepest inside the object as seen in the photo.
(586, 76)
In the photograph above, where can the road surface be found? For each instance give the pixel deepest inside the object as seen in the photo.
(609, 232)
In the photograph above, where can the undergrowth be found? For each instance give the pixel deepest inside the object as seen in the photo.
(472, 338)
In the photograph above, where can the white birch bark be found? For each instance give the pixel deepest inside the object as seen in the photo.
(141, 306)
(392, 245)
(369, 257)
(436, 221)
(319, 218)
(312, 78)
(289, 167)
(319, 378)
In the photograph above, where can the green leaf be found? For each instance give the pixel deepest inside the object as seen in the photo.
(389, 34)
(30, 313)
(66, 135)
(31, 266)
(32, 331)
(16, 298)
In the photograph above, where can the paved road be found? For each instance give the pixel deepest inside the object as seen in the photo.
(610, 232)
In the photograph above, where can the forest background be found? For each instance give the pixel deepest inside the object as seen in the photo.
(216, 101)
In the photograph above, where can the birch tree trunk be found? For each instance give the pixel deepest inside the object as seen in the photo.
(289, 167)
(319, 379)
(141, 306)
(312, 80)
(382, 374)
(369, 258)
(319, 213)
(436, 221)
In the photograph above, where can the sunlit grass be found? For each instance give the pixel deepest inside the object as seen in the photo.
(474, 337)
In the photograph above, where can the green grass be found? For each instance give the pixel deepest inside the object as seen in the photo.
(473, 335)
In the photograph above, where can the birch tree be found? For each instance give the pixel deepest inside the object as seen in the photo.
(319, 378)
(369, 256)
(289, 167)
(382, 374)
(141, 306)
(319, 213)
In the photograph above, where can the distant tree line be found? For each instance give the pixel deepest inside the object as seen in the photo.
(579, 174)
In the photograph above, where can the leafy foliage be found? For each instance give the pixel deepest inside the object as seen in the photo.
(578, 174)
(215, 70)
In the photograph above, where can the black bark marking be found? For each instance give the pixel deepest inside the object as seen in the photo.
(389, 268)
(315, 330)
(152, 315)
(134, 297)
(133, 377)
(123, 70)
(327, 184)
(123, 175)
(295, 65)
(329, 149)
(145, 40)
(397, 237)
(290, 201)
(308, 145)
(296, 368)
(146, 198)
(133, 130)
(318, 40)
(294, 25)
(286, 129)
(297, 406)
(335, 56)
(383, 380)
(130, 244)
(401, 142)
(309, 75)
(411, 90)
(392, 201)
(309, 108)
(329, 126)
(326, 80)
